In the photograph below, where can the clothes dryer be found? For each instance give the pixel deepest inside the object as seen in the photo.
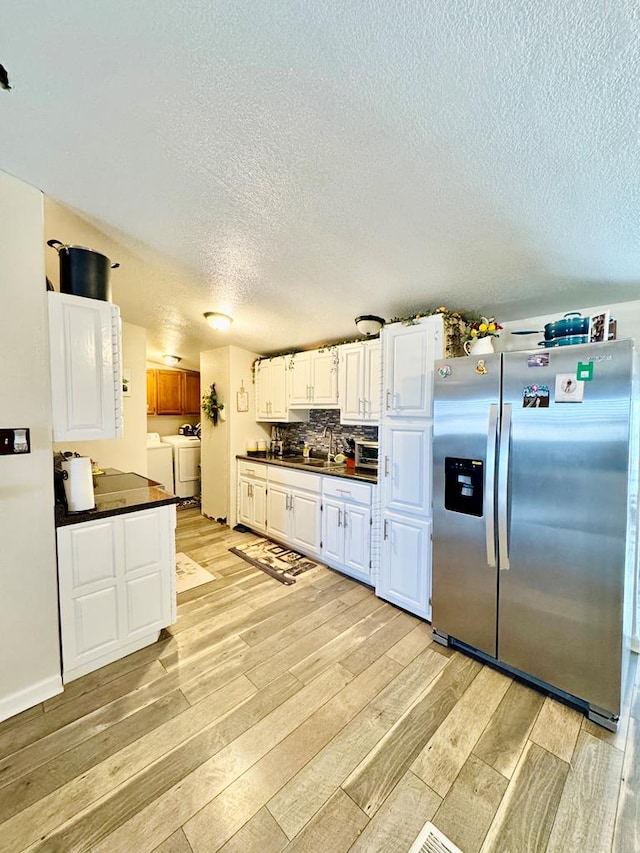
(186, 464)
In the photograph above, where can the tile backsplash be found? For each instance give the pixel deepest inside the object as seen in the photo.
(296, 435)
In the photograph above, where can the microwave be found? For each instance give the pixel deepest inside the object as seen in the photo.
(366, 454)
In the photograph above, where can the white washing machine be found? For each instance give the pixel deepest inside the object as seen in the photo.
(160, 461)
(186, 464)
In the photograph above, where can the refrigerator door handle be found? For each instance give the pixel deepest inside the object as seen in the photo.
(490, 531)
(503, 485)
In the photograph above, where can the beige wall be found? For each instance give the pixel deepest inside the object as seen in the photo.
(29, 636)
(229, 368)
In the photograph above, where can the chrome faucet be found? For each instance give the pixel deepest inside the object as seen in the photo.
(328, 429)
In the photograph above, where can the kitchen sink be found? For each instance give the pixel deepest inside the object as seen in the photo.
(312, 463)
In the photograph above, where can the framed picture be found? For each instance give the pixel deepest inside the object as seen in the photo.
(599, 327)
(242, 400)
(126, 382)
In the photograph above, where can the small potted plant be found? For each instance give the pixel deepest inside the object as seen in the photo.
(479, 335)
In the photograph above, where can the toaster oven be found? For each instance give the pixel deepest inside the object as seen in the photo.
(366, 454)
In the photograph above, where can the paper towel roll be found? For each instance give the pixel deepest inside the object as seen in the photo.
(78, 484)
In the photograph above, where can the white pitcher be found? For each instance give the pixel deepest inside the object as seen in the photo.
(479, 346)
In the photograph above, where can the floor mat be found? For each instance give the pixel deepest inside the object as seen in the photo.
(188, 503)
(189, 573)
(281, 563)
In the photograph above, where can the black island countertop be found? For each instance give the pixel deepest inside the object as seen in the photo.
(117, 493)
(315, 466)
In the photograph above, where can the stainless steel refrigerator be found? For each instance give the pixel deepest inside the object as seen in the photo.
(534, 515)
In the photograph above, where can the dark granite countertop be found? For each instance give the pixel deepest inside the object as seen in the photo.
(366, 475)
(117, 493)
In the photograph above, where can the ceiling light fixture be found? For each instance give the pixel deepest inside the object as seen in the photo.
(171, 359)
(369, 324)
(219, 322)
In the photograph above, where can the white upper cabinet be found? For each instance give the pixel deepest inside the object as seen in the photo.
(359, 379)
(314, 380)
(409, 354)
(272, 391)
(86, 368)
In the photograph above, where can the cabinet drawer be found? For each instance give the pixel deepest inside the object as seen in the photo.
(252, 470)
(346, 490)
(295, 479)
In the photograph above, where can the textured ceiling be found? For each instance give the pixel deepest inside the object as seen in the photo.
(304, 162)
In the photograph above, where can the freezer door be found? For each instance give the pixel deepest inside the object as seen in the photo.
(562, 576)
(466, 397)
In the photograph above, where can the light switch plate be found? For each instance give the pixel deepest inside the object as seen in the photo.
(15, 441)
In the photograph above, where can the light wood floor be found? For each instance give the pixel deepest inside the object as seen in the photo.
(313, 717)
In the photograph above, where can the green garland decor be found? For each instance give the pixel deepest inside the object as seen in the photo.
(210, 405)
(456, 325)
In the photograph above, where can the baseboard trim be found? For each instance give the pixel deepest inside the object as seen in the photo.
(15, 703)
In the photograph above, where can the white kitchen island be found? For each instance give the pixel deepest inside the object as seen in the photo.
(117, 573)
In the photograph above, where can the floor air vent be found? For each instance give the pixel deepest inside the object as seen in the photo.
(431, 840)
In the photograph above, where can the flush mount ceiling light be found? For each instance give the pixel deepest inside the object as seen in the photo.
(171, 359)
(369, 324)
(219, 322)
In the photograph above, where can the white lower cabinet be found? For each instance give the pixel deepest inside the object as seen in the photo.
(293, 508)
(405, 567)
(252, 495)
(321, 516)
(346, 527)
(117, 586)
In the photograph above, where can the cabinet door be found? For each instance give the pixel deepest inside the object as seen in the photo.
(151, 392)
(259, 505)
(169, 392)
(324, 379)
(278, 511)
(245, 506)
(90, 603)
(191, 400)
(86, 380)
(305, 528)
(332, 531)
(146, 560)
(405, 567)
(350, 382)
(357, 540)
(372, 389)
(263, 389)
(279, 403)
(300, 381)
(409, 354)
(405, 467)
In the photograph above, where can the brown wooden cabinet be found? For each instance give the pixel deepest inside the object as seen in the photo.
(191, 393)
(169, 385)
(151, 392)
(173, 392)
